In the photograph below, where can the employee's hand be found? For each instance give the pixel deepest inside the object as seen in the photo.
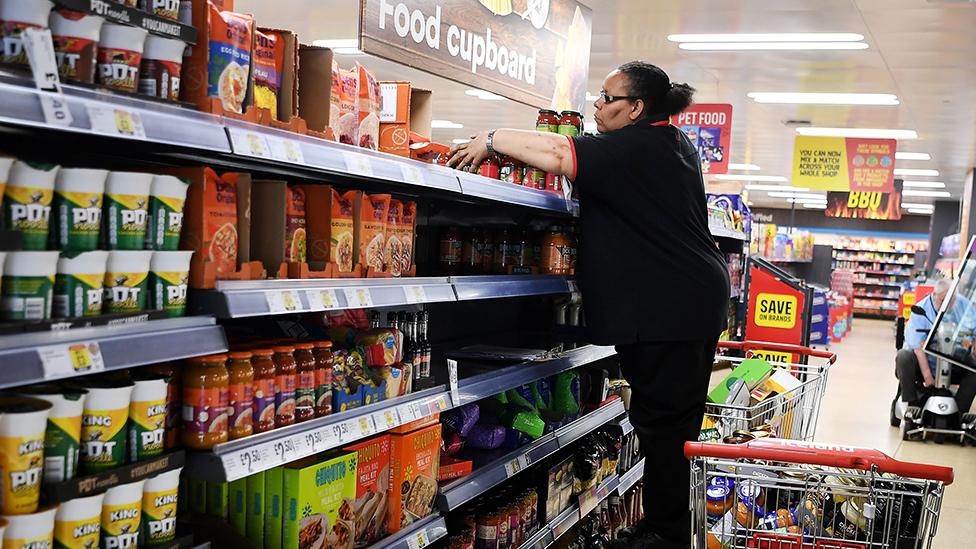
(469, 156)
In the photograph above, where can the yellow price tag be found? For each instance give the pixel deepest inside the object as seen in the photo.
(364, 426)
(124, 122)
(80, 357)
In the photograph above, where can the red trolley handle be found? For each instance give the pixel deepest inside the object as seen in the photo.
(784, 347)
(818, 453)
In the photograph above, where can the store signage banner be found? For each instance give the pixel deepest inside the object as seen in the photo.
(844, 164)
(709, 126)
(775, 313)
(533, 51)
(861, 205)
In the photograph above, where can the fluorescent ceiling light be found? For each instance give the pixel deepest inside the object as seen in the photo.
(775, 188)
(900, 155)
(744, 167)
(460, 141)
(920, 212)
(912, 171)
(804, 196)
(771, 46)
(924, 184)
(747, 177)
(349, 46)
(445, 124)
(825, 98)
(817, 206)
(866, 133)
(807, 200)
(769, 37)
(917, 205)
(484, 94)
(937, 194)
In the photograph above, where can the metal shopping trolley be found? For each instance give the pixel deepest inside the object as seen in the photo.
(792, 414)
(787, 494)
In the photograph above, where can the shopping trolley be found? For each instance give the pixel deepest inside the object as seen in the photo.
(787, 494)
(791, 415)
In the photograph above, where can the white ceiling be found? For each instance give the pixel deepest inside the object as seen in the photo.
(922, 51)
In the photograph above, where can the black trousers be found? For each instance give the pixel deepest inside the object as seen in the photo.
(910, 380)
(669, 382)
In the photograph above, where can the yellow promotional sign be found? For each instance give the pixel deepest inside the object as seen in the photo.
(772, 356)
(776, 311)
(820, 163)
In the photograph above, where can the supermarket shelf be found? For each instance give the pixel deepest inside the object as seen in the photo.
(484, 385)
(463, 490)
(549, 533)
(885, 273)
(884, 284)
(877, 297)
(630, 478)
(238, 299)
(419, 534)
(880, 261)
(493, 287)
(120, 345)
(124, 15)
(236, 459)
(500, 191)
(873, 251)
(719, 231)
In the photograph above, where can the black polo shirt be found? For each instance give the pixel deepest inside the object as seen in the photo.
(648, 267)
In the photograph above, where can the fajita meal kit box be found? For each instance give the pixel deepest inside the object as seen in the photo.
(319, 498)
(273, 507)
(403, 109)
(372, 488)
(371, 214)
(415, 462)
(255, 509)
(344, 230)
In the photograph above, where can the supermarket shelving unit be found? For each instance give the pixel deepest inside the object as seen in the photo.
(872, 295)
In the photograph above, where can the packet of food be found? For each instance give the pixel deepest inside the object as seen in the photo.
(394, 249)
(295, 238)
(347, 127)
(405, 234)
(335, 99)
(368, 108)
(269, 61)
(230, 57)
(372, 230)
(220, 222)
(343, 229)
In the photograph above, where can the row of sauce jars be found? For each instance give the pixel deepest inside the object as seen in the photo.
(231, 396)
(508, 251)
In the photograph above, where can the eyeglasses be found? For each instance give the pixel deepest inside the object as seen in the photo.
(611, 98)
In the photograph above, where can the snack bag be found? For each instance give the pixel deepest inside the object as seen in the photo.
(393, 251)
(347, 126)
(269, 61)
(368, 108)
(373, 212)
(343, 227)
(230, 57)
(405, 234)
(295, 225)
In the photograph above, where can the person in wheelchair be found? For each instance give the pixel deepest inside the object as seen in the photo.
(915, 370)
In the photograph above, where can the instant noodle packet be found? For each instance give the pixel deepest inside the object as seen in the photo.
(373, 212)
(230, 57)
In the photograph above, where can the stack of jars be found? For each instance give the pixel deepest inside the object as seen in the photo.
(508, 251)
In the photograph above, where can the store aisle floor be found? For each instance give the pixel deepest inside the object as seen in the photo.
(855, 411)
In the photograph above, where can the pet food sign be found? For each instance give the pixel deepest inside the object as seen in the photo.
(710, 129)
(533, 51)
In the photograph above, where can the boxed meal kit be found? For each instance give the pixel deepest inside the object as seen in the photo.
(371, 214)
(237, 501)
(319, 496)
(556, 489)
(344, 235)
(372, 488)
(415, 462)
(275, 82)
(255, 509)
(218, 73)
(403, 109)
(273, 507)
(751, 372)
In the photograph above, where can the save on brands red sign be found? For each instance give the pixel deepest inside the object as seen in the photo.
(709, 126)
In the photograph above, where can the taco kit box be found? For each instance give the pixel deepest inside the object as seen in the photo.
(415, 460)
(403, 109)
(319, 498)
(372, 488)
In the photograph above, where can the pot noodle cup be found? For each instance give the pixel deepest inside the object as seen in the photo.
(22, 424)
(30, 530)
(170, 9)
(6, 162)
(159, 501)
(167, 197)
(119, 55)
(126, 281)
(126, 210)
(78, 523)
(15, 16)
(77, 208)
(103, 423)
(147, 418)
(27, 201)
(75, 37)
(168, 277)
(159, 71)
(28, 284)
(78, 284)
(62, 437)
(121, 513)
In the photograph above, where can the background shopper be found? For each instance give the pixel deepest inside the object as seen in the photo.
(653, 281)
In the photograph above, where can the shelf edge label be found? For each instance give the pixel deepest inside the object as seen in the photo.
(71, 359)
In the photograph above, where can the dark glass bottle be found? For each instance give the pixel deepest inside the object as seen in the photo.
(423, 343)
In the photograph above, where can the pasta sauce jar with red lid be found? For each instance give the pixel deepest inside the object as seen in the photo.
(570, 123)
(548, 121)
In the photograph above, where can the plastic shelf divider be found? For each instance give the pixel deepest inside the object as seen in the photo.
(630, 478)
(416, 536)
(492, 189)
(501, 286)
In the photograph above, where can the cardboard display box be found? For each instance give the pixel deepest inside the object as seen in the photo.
(315, 86)
(278, 215)
(415, 464)
(288, 93)
(372, 488)
(403, 109)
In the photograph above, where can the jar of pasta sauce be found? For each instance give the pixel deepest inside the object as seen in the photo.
(490, 168)
(511, 171)
(570, 123)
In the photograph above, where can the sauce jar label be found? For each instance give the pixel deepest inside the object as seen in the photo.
(147, 427)
(305, 392)
(265, 394)
(204, 410)
(103, 439)
(285, 397)
(120, 524)
(241, 408)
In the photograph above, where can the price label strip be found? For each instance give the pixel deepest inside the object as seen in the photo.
(415, 294)
(358, 298)
(285, 150)
(517, 465)
(116, 121)
(283, 301)
(248, 143)
(627, 426)
(322, 300)
(386, 419)
(39, 47)
(452, 381)
(358, 164)
(588, 500)
(418, 540)
(412, 174)
(409, 412)
(71, 359)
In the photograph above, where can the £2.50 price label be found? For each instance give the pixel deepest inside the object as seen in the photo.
(776, 311)
(358, 297)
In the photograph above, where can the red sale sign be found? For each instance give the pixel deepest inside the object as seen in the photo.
(709, 126)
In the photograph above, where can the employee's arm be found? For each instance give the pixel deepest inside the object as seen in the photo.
(549, 152)
(923, 365)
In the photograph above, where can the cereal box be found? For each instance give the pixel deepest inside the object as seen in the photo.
(372, 488)
(414, 463)
(319, 496)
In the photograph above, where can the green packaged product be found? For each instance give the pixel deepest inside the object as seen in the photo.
(78, 284)
(255, 509)
(28, 285)
(238, 506)
(126, 207)
(566, 393)
(273, 508)
(166, 199)
(77, 209)
(217, 499)
(198, 496)
(62, 438)
(27, 202)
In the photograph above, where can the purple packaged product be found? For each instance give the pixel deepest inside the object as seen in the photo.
(461, 420)
(486, 437)
(515, 438)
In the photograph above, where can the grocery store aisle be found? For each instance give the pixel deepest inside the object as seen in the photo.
(855, 411)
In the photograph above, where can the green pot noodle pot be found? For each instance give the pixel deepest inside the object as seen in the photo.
(126, 281)
(78, 208)
(78, 284)
(126, 210)
(168, 276)
(27, 202)
(28, 285)
(62, 439)
(166, 199)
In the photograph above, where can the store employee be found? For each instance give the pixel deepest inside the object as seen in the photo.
(653, 282)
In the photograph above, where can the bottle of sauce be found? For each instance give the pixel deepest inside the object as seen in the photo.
(323, 378)
(573, 244)
(503, 251)
(511, 171)
(451, 247)
(205, 388)
(265, 389)
(487, 252)
(241, 394)
(471, 251)
(286, 381)
(552, 252)
(523, 258)
(305, 389)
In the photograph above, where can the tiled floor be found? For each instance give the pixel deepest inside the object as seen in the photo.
(855, 411)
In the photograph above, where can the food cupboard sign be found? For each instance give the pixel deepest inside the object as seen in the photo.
(533, 51)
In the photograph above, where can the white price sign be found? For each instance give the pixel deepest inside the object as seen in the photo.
(39, 47)
(71, 359)
(415, 294)
(418, 540)
(117, 121)
(283, 301)
(319, 300)
(517, 465)
(409, 412)
(358, 164)
(387, 419)
(289, 449)
(452, 382)
(412, 174)
(248, 143)
(286, 150)
(626, 426)
(246, 462)
(359, 298)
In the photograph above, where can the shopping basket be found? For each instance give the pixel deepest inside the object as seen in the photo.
(787, 494)
(791, 415)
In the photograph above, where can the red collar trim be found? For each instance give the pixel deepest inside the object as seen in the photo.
(665, 122)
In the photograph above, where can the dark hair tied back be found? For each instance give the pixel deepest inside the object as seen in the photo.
(653, 85)
(677, 99)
